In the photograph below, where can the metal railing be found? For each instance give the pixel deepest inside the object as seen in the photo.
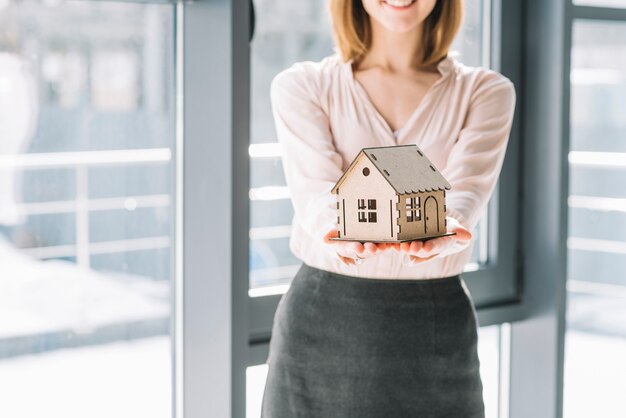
(82, 205)
(596, 160)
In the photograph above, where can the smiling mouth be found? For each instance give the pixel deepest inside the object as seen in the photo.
(399, 4)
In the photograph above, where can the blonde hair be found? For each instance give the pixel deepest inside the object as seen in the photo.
(353, 34)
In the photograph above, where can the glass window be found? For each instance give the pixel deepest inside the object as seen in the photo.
(595, 369)
(413, 209)
(366, 214)
(286, 34)
(86, 185)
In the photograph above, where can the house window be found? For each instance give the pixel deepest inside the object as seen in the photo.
(413, 209)
(367, 213)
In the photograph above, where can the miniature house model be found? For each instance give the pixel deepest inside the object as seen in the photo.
(391, 194)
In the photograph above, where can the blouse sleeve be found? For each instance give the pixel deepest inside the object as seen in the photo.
(311, 163)
(476, 158)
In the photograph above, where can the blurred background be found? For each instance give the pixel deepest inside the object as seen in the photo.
(87, 221)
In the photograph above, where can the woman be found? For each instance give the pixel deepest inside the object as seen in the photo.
(375, 330)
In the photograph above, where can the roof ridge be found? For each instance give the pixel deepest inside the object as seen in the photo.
(392, 146)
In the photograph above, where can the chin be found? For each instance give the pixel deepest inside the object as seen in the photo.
(399, 26)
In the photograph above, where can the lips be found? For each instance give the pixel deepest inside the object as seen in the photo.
(399, 4)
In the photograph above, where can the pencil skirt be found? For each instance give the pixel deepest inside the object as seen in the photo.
(346, 346)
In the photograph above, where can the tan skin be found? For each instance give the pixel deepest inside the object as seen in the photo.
(396, 83)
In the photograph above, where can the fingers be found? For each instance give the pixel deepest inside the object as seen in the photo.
(331, 234)
(429, 245)
(371, 248)
(426, 250)
(347, 250)
(411, 247)
(417, 251)
(367, 249)
(415, 247)
(382, 246)
(463, 234)
(417, 260)
(437, 244)
(350, 250)
(346, 260)
(358, 247)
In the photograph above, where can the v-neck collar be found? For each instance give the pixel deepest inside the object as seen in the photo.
(445, 67)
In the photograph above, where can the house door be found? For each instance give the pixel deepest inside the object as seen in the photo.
(431, 216)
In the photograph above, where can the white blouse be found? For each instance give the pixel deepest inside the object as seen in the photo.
(324, 117)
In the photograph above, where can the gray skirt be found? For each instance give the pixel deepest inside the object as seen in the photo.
(346, 346)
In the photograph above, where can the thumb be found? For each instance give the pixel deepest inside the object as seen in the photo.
(462, 234)
(333, 233)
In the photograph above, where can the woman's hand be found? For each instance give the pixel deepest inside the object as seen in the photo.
(348, 251)
(420, 252)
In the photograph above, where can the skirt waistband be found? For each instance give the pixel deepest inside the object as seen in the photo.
(312, 269)
(336, 282)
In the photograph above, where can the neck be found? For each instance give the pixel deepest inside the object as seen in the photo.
(394, 51)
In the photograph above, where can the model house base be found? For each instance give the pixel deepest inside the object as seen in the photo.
(423, 239)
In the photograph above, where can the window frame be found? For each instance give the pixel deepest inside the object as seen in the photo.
(412, 207)
(366, 212)
(211, 333)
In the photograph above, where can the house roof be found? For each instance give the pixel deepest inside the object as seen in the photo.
(396, 163)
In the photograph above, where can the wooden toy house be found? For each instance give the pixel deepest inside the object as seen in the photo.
(391, 194)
